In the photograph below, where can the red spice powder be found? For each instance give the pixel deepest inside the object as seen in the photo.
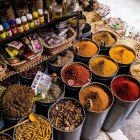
(126, 89)
(76, 75)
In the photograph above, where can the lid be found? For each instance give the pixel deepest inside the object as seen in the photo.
(18, 21)
(6, 25)
(40, 11)
(1, 28)
(24, 19)
(12, 22)
(57, 8)
(29, 16)
(35, 14)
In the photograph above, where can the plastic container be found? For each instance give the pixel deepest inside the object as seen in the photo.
(95, 120)
(98, 78)
(68, 135)
(119, 111)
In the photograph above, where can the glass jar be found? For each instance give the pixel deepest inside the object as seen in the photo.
(57, 11)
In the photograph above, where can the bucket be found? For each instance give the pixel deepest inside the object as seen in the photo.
(73, 90)
(6, 136)
(95, 120)
(104, 48)
(98, 78)
(123, 68)
(32, 131)
(73, 132)
(86, 32)
(42, 107)
(66, 57)
(120, 109)
(80, 58)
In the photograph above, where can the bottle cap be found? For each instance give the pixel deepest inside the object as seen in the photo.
(1, 28)
(18, 21)
(12, 22)
(29, 16)
(24, 19)
(40, 11)
(6, 25)
(35, 14)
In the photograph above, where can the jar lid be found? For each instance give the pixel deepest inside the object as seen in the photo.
(57, 8)
(18, 21)
(6, 25)
(40, 11)
(12, 22)
(35, 14)
(29, 16)
(1, 28)
(24, 19)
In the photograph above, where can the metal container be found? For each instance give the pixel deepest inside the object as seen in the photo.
(82, 59)
(119, 111)
(98, 78)
(72, 91)
(10, 138)
(42, 107)
(95, 120)
(71, 135)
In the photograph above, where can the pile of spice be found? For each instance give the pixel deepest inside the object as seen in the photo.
(94, 98)
(135, 71)
(5, 137)
(104, 39)
(63, 58)
(16, 102)
(122, 55)
(103, 66)
(125, 88)
(85, 48)
(66, 115)
(39, 129)
(76, 74)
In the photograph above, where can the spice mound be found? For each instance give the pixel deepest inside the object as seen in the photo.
(85, 48)
(76, 75)
(103, 66)
(104, 39)
(63, 58)
(122, 55)
(66, 115)
(37, 130)
(4, 137)
(16, 102)
(135, 71)
(94, 98)
(125, 88)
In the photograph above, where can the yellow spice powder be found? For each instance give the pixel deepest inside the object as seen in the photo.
(99, 98)
(86, 48)
(122, 55)
(103, 67)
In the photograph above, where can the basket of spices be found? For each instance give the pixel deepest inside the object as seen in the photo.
(126, 90)
(103, 68)
(17, 102)
(85, 49)
(3, 68)
(124, 56)
(97, 99)
(56, 63)
(36, 127)
(75, 75)
(4, 136)
(105, 38)
(67, 117)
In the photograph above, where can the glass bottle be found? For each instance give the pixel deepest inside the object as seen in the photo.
(13, 27)
(30, 20)
(7, 29)
(41, 16)
(64, 7)
(25, 23)
(19, 25)
(36, 18)
(2, 33)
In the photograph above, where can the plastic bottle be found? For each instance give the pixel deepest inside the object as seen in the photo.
(13, 27)
(36, 18)
(41, 16)
(2, 33)
(25, 23)
(30, 20)
(7, 29)
(19, 25)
